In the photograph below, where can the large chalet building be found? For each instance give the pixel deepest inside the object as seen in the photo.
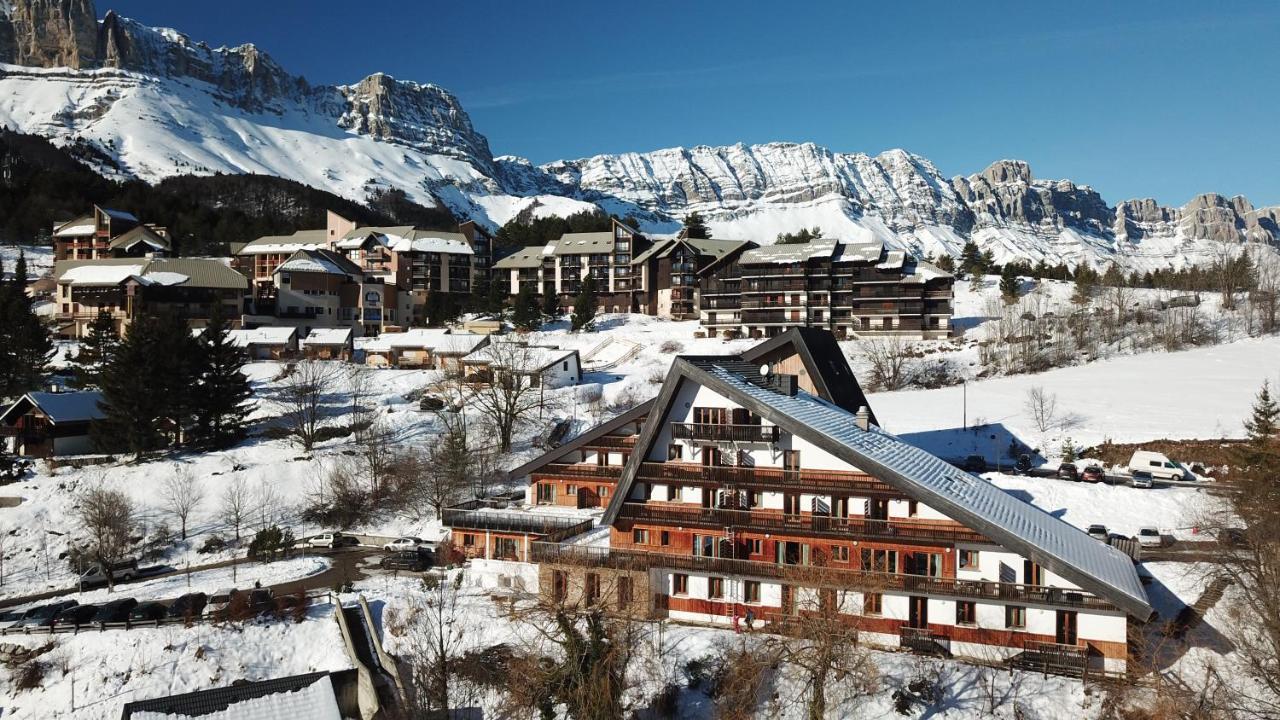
(107, 233)
(125, 288)
(851, 289)
(761, 483)
(631, 272)
(372, 279)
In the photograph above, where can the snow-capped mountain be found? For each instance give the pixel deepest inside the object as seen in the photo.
(161, 104)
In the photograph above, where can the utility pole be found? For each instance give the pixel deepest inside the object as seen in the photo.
(964, 389)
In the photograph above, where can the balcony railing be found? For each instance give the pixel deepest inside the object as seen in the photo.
(613, 441)
(471, 516)
(766, 477)
(584, 470)
(774, 521)
(818, 576)
(727, 433)
(777, 317)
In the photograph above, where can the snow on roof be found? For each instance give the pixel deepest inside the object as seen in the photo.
(415, 339)
(76, 228)
(63, 407)
(919, 269)
(271, 244)
(582, 243)
(101, 274)
(301, 698)
(459, 343)
(318, 261)
(524, 257)
(164, 277)
(433, 242)
(328, 336)
(1006, 519)
(530, 358)
(790, 253)
(266, 335)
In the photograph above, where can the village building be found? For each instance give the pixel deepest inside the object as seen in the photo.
(632, 273)
(850, 288)
(327, 344)
(126, 288)
(490, 530)
(46, 424)
(266, 343)
(427, 348)
(107, 233)
(397, 268)
(313, 696)
(532, 366)
(751, 491)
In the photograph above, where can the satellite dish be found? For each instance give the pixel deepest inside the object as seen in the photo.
(764, 370)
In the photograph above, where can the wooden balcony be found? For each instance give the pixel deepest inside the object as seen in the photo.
(767, 478)
(1072, 660)
(819, 576)
(475, 516)
(726, 432)
(774, 521)
(579, 470)
(922, 641)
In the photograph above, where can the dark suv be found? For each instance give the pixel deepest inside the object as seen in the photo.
(409, 560)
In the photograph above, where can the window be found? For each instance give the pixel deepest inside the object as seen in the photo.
(602, 459)
(704, 545)
(968, 560)
(603, 491)
(565, 365)
(679, 584)
(791, 460)
(751, 591)
(664, 538)
(757, 546)
(675, 493)
(468, 540)
(913, 508)
(1015, 616)
(840, 553)
(640, 536)
(872, 603)
(715, 588)
(624, 591)
(571, 489)
(880, 560)
(966, 612)
(546, 493)
(674, 451)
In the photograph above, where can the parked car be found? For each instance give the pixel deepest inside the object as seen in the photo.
(1098, 531)
(287, 604)
(219, 602)
(403, 544)
(260, 600)
(1158, 466)
(975, 464)
(147, 612)
(411, 560)
(42, 615)
(75, 615)
(115, 611)
(1093, 474)
(10, 618)
(189, 605)
(1150, 537)
(122, 571)
(1141, 480)
(332, 540)
(1068, 471)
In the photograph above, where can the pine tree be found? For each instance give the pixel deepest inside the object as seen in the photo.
(96, 350)
(1086, 279)
(1265, 422)
(25, 344)
(221, 406)
(132, 400)
(1009, 283)
(551, 305)
(971, 260)
(495, 297)
(946, 263)
(526, 315)
(695, 227)
(178, 378)
(584, 307)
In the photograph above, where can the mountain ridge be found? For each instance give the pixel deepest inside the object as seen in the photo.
(161, 104)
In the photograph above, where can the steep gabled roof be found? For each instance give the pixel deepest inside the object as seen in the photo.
(300, 696)
(60, 407)
(630, 416)
(825, 362)
(141, 234)
(1008, 521)
(319, 261)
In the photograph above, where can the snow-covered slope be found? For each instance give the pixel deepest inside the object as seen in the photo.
(162, 104)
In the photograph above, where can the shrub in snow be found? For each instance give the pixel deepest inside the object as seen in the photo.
(670, 347)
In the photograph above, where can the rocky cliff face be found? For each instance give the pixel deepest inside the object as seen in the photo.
(49, 33)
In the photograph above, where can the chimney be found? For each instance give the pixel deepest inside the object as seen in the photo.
(862, 418)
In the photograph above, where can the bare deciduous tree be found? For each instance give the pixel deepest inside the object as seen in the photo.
(236, 505)
(108, 519)
(301, 395)
(448, 468)
(890, 361)
(515, 392)
(267, 501)
(432, 625)
(1042, 406)
(181, 496)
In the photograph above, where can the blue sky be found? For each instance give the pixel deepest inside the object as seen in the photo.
(1138, 99)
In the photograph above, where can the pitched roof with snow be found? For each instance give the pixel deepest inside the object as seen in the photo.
(328, 336)
(60, 407)
(789, 253)
(187, 272)
(78, 227)
(314, 260)
(270, 244)
(976, 503)
(527, 257)
(141, 234)
(585, 243)
(265, 335)
(529, 358)
(304, 697)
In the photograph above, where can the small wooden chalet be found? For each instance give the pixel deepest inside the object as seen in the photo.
(45, 424)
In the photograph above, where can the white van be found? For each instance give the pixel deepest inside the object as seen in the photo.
(1157, 465)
